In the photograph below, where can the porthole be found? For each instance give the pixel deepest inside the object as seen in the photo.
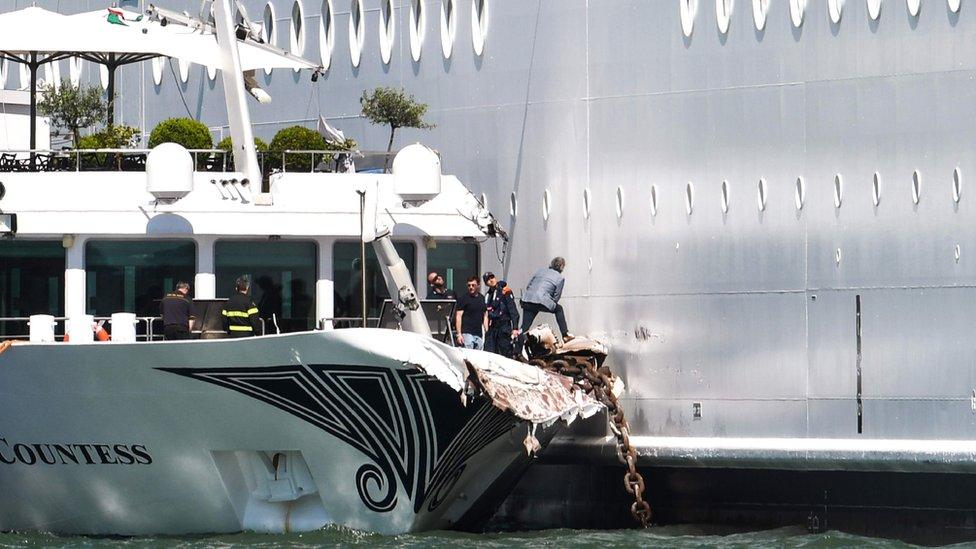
(956, 185)
(653, 200)
(158, 64)
(874, 9)
(4, 72)
(620, 202)
(268, 19)
(326, 34)
(211, 73)
(52, 74)
(546, 201)
(954, 5)
(690, 197)
(357, 31)
(876, 189)
(448, 26)
(797, 10)
(838, 190)
(296, 29)
(760, 9)
(688, 9)
(914, 7)
(184, 72)
(513, 205)
(484, 201)
(800, 194)
(957, 252)
(916, 186)
(387, 30)
(3, 191)
(479, 25)
(586, 203)
(838, 256)
(723, 15)
(835, 9)
(725, 197)
(761, 195)
(418, 27)
(75, 66)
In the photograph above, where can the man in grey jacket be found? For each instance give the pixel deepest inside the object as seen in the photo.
(542, 296)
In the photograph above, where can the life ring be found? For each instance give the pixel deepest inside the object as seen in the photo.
(100, 333)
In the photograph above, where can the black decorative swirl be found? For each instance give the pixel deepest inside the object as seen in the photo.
(370, 473)
(411, 427)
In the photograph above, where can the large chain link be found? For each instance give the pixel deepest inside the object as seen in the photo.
(598, 383)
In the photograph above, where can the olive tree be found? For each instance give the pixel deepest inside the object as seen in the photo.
(72, 108)
(394, 108)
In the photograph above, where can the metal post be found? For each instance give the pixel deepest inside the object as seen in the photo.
(110, 90)
(33, 106)
(362, 250)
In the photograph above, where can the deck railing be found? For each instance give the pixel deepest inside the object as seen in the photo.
(148, 328)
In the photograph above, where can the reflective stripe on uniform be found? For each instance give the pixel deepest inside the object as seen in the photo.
(241, 328)
(252, 311)
(240, 314)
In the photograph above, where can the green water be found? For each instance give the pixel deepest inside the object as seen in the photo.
(669, 536)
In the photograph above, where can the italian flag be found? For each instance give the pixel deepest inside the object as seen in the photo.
(117, 17)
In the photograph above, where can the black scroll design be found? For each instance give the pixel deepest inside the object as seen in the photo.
(411, 427)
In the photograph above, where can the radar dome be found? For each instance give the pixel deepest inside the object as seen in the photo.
(169, 172)
(417, 173)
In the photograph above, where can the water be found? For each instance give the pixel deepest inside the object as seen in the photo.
(669, 536)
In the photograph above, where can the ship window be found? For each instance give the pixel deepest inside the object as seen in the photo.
(513, 205)
(158, 64)
(348, 279)
(326, 34)
(484, 200)
(5, 73)
(620, 202)
(874, 9)
(448, 26)
(876, 189)
(690, 197)
(653, 200)
(133, 275)
(688, 8)
(760, 9)
(184, 72)
(956, 185)
(838, 190)
(282, 276)
(835, 9)
(723, 14)
(297, 29)
(954, 5)
(916, 186)
(797, 9)
(418, 28)
(914, 7)
(268, 30)
(479, 25)
(455, 261)
(725, 197)
(761, 195)
(800, 195)
(357, 31)
(31, 281)
(75, 67)
(586, 203)
(387, 30)
(546, 201)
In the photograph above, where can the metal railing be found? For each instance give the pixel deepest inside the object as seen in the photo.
(148, 332)
(204, 160)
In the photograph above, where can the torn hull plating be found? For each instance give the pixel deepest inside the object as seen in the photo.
(274, 434)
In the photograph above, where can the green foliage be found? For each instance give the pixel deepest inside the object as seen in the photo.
(226, 144)
(72, 108)
(296, 138)
(112, 137)
(394, 108)
(190, 133)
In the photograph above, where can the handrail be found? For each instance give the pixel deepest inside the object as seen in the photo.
(149, 321)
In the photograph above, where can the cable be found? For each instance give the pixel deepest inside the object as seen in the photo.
(180, 89)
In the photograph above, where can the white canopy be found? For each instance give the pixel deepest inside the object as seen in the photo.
(120, 36)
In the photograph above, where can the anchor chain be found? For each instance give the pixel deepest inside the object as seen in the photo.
(598, 383)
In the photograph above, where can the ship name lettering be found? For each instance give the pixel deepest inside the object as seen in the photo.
(12, 453)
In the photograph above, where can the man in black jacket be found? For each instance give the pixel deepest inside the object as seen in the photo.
(503, 316)
(240, 313)
(177, 310)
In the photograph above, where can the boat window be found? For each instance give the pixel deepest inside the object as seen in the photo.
(448, 26)
(760, 9)
(357, 31)
(723, 15)
(956, 184)
(387, 30)
(282, 274)
(348, 282)
(914, 7)
(456, 261)
(797, 8)
(688, 9)
(835, 8)
(418, 28)
(479, 25)
(546, 204)
(132, 275)
(269, 30)
(874, 9)
(326, 33)
(31, 281)
(297, 33)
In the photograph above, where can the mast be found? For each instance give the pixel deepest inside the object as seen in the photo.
(235, 94)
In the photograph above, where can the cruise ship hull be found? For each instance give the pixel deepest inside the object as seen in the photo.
(282, 433)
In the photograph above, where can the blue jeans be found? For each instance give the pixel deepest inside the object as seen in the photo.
(472, 341)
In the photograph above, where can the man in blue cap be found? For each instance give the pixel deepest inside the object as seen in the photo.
(503, 316)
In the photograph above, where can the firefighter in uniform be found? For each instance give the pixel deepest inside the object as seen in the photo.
(240, 313)
(503, 316)
(177, 310)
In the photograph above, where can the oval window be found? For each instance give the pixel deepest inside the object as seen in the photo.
(479, 25)
(357, 31)
(75, 66)
(653, 200)
(725, 196)
(268, 28)
(448, 26)
(797, 10)
(916, 186)
(184, 72)
(546, 200)
(835, 8)
(760, 9)
(690, 197)
(418, 28)
(586, 203)
(956, 185)
(914, 7)
(620, 202)
(838, 190)
(296, 30)
(688, 9)
(761, 195)
(954, 5)
(387, 30)
(158, 64)
(800, 194)
(874, 9)
(723, 14)
(326, 34)
(876, 189)
(513, 205)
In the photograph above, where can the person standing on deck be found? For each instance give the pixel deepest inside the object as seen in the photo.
(503, 316)
(542, 296)
(472, 316)
(436, 288)
(240, 313)
(177, 310)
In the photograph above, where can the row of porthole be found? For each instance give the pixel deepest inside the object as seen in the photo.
(760, 9)
(762, 195)
(387, 28)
